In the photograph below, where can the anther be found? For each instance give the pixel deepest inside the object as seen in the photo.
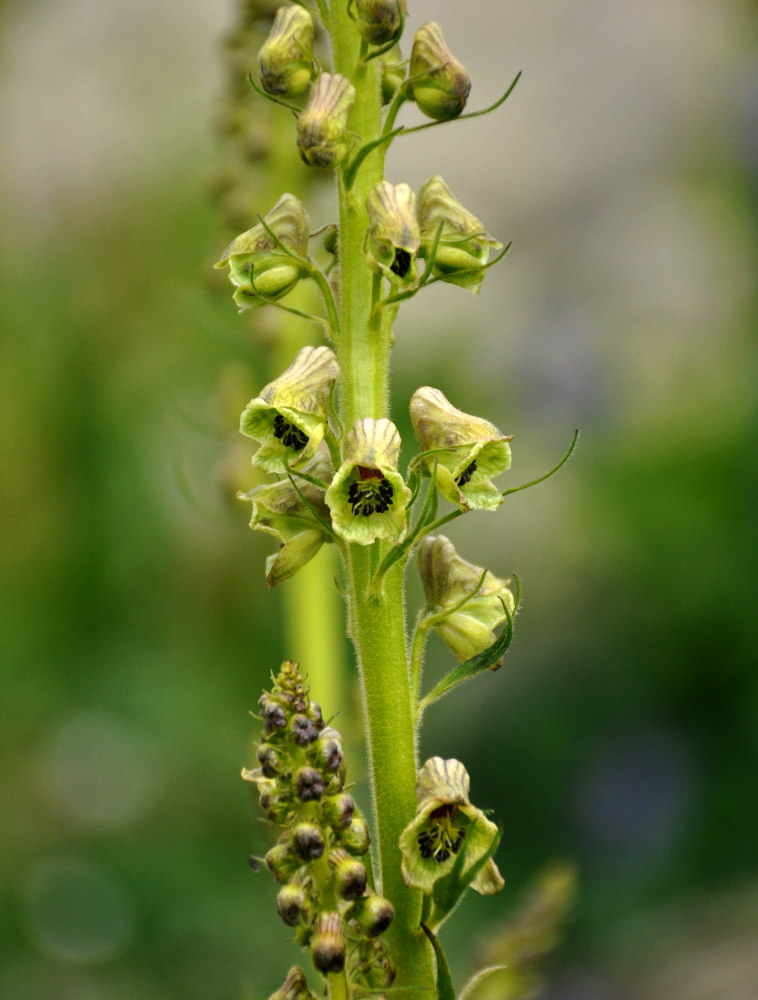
(466, 475)
(288, 434)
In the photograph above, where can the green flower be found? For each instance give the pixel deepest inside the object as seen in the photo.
(469, 451)
(258, 267)
(446, 823)
(393, 236)
(379, 21)
(289, 416)
(463, 243)
(441, 84)
(448, 579)
(279, 510)
(367, 496)
(322, 124)
(286, 58)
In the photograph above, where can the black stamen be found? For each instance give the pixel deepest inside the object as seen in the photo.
(288, 434)
(466, 475)
(369, 495)
(442, 837)
(401, 265)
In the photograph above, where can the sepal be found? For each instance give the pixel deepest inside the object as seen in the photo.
(393, 237)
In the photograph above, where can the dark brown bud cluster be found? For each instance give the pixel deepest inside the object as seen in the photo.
(324, 893)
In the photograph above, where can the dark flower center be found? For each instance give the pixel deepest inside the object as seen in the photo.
(442, 836)
(288, 434)
(466, 475)
(372, 492)
(401, 265)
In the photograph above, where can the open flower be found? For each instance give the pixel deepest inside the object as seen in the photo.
(445, 823)
(448, 579)
(296, 520)
(393, 236)
(289, 416)
(464, 246)
(368, 497)
(469, 451)
(258, 268)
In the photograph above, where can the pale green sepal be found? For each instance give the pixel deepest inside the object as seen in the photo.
(322, 136)
(372, 448)
(463, 246)
(393, 236)
(456, 441)
(286, 57)
(445, 824)
(292, 556)
(300, 397)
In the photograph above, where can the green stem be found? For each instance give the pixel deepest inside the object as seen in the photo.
(377, 626)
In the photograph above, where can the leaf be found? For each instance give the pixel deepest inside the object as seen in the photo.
(448, 891)
(478, 978)
(445, 989)
(487, 660)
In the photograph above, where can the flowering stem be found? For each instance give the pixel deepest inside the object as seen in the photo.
(377, 625)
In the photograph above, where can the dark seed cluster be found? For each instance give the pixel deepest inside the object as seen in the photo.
(368, 495)
(441, 837)
(288, 434)
(466, 475)
(301, 782)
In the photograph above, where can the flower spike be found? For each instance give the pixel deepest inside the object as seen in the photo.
(445, 824)
(368, 496)
(289, 416)
(469, 451)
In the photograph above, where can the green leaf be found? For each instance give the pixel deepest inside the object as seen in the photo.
(490, 659)
(445, 989)
(479, 978)
(448, 891)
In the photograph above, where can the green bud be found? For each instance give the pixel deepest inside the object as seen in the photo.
(273, 713)
(355, 838)
(286, 58)
(270, 761)
(444, 822)
(338, 810)
(292, 903)
(368, 497)
(373, 914)
(322, 125)
(288, 418)
(393, 236)
(258, 268)
(309, 784)
(327, 753)
(328, 943)
(379, 21)
(349, 874)
(282, 862)
(468, 451)
(392, 68)
(447, 580)
(463, 243)
(295, 987)
(275, 800)
(303, 730)
(308, 841)
(441, 85)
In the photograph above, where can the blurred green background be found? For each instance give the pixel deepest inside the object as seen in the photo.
(135, 627)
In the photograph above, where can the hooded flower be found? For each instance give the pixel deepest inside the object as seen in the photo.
(367, 496)
(393, 236)
(289, 416)
(446, 823)
(279, 510)
(464, 246)
(322, 124)
(469, 451)
(448, 579)
(286, 58)
(258, 267)
(441, 84)
(379, 21)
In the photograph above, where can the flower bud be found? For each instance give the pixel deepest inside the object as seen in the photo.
(355, 838)
(393, 237)
(447, 579)
(441, 85)
(392, 68)
(292, 903)
(288, 418)
(328, 753)
(379, 21)
(328, 943)
(270, 761)
(338, 810)
(314, 713)
(308, 841)
(295, 987)
(282, 862)
(368, 497)
(286, 58)
(463, 247)
(275, 801)
(272, 713)
(349, 874)
(303, 730)
(309, 784)
(322, 125)
(373, 913)
(258, 267)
